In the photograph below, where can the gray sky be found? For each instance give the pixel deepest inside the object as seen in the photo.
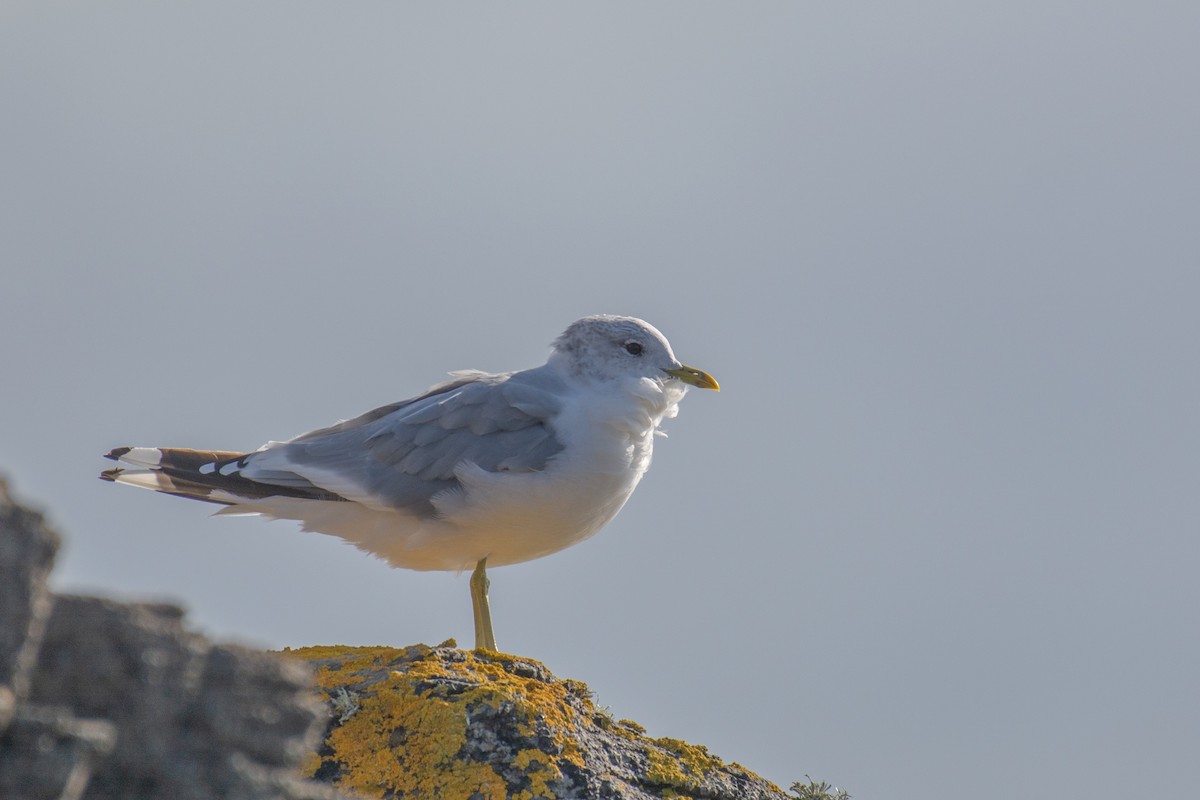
(936, 537)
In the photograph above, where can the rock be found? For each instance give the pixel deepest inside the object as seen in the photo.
(105, 700)
(100, 699)
(440, 722)
(27, 548)
(183, 706)
(48, 753)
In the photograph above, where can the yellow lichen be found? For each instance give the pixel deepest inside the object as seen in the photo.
(400, 742)
(541, 770)
(403, 731)
(310, 764)
(538, 701)
(694, 756)
(679, 767)
(631, 725)
(407, 732)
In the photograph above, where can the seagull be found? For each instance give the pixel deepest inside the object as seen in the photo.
(487, 468)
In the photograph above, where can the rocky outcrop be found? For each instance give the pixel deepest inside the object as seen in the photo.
(103, 700)
(27, 549)
(440, 722)
(100, 699)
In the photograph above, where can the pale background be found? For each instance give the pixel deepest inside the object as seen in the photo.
(937, 537)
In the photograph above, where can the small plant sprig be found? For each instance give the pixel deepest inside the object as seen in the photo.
(818, 791)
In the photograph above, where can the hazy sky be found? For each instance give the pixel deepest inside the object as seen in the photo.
(937, 537)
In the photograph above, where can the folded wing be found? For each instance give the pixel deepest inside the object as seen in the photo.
(398, 456)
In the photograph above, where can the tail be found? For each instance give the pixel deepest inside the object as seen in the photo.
(208, 475)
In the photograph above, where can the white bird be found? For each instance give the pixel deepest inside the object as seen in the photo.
(487, 468)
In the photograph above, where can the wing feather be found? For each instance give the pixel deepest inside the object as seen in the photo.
(403, 454)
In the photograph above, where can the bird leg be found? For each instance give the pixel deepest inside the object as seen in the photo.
(484, 638)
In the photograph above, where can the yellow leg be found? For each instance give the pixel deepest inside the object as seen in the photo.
(484, 638)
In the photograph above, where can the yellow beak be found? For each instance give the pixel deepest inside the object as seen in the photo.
(696, 377)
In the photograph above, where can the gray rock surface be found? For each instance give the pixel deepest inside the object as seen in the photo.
(27, 549)
(48, 753)
(100, 699)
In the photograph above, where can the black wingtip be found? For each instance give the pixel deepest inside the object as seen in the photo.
(116, 453)
(110, 475)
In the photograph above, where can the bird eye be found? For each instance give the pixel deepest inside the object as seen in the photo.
(633, 348)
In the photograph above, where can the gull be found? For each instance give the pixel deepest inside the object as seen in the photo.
(487, 468)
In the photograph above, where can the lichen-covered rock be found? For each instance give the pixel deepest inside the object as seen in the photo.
(101, 700)
(440, 722)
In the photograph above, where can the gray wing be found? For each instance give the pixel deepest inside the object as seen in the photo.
(402, 455)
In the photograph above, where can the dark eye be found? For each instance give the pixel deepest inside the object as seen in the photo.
(633, 348)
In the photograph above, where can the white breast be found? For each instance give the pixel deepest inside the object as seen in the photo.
(608, 441)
